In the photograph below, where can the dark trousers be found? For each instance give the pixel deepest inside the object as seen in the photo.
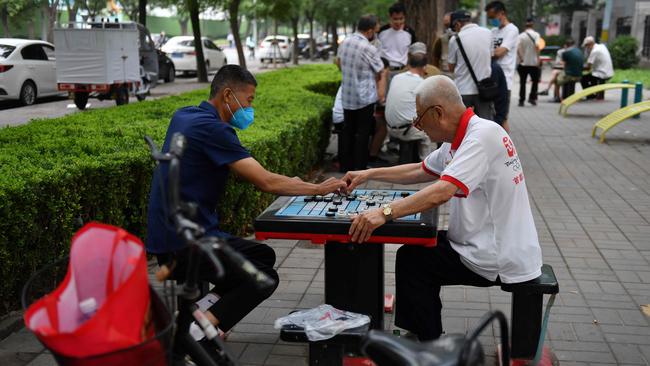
(482, 108)
(420, 272)
(524, 71)
(589, 80)
(353, 151)
(239, 296)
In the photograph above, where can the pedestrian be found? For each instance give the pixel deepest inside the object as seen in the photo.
(379, 131)
(360, 65)
(441, 47)
(396, 37)
(231, 40)
(400, 102)
(599, 64)
(529, 63)
(573, 63)
(504, 37)
(501, 101)
(476, 42)
(250, 43)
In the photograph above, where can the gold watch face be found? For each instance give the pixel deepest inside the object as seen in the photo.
(388, 210)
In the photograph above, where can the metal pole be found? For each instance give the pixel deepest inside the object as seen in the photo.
(638, 94)
(483, 21)
(624, 97)
(604, 35)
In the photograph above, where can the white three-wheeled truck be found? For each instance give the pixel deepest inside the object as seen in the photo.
(104, 61)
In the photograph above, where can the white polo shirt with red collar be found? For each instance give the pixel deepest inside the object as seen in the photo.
(490, 221)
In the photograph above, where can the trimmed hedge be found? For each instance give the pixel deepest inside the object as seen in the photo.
(95, 165)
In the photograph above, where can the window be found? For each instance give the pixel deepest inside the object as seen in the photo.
(49, 51)
(646, 37)
(208, 44)
(623, 26)
(6, 50)
(189, 43)
(34, 52)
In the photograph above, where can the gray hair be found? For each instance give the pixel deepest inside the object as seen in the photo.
(438, 90)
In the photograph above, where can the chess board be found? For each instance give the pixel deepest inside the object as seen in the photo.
(327, 218)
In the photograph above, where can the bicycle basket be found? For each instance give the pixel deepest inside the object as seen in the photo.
(155, 351)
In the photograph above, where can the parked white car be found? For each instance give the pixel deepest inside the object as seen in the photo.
(27, 70)
(181, 51)
(268, 52)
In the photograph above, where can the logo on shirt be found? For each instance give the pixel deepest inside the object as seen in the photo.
(497, 42)
(510, 147)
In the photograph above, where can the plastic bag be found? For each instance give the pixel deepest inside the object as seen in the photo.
(323, 322)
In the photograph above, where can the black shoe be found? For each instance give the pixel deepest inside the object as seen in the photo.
(556, 100)
(532, 102)
(521, 103)
(545, 92)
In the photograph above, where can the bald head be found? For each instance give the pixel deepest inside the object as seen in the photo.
(438, 90)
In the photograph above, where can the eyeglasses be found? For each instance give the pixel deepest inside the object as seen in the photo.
(417, 120)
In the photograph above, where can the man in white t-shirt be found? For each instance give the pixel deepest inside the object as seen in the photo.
(504, 37)
(599, 64)
(400, 104)
(529, 64)
(476, 42)
(492, 237)
(396, 37)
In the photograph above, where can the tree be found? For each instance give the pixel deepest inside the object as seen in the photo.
(310, 15)
(73, 9)
(233, 14)
(142, 12)
(201, 70)
(419, 14)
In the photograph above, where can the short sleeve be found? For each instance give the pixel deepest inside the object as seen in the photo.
(592, 56)
(222, 146)
(510, 39)
(372, 56)
(434, 163)
(468, 168)
(452, 48)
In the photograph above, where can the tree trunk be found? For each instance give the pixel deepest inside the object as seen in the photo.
(312, 42)
(419, 14)
(294, 25)
(4, 17)
(201, 72)
(335, 39)
(142, 12)
(183, 23)
(233, 11)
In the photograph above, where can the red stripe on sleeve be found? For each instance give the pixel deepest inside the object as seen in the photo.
(428, 171)
(457, 183)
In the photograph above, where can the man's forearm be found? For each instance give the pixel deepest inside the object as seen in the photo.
(285, 186)
(401, 174)
(427, 198)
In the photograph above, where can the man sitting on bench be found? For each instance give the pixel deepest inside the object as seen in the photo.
(492, 237)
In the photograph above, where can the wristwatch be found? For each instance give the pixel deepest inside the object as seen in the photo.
(388, 213)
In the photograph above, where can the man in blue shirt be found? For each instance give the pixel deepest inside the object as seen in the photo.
(213, 150)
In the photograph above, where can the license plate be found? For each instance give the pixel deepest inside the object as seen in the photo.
(177, 54)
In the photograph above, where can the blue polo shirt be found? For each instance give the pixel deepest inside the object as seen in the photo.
(212, 144)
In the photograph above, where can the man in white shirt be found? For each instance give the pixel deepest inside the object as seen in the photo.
(400, 103)
(396, 38)
(599, 63)
(492, 237)
(529, 64)
(476, 42)
(504, 38)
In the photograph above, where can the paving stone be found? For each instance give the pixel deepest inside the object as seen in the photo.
(256, 354)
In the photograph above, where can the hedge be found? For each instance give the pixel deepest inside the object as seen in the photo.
(95, 165)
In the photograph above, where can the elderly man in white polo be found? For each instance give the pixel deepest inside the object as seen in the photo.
(492, 237)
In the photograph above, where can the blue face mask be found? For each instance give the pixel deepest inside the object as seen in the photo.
(243, 117)
(495, 22)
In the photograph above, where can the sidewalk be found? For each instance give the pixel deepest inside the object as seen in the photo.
(591, 204)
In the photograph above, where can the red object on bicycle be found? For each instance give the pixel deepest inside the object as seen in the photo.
(101, 305)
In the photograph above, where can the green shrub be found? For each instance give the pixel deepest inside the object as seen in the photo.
(94, 165)
(555, 40)
(623, 51)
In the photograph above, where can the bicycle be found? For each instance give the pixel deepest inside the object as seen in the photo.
(449, 350)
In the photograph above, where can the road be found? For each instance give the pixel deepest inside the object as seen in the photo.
(13, 114)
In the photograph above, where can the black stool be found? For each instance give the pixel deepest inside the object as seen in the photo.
(526, 308)
(409, 152)
(331, 351)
